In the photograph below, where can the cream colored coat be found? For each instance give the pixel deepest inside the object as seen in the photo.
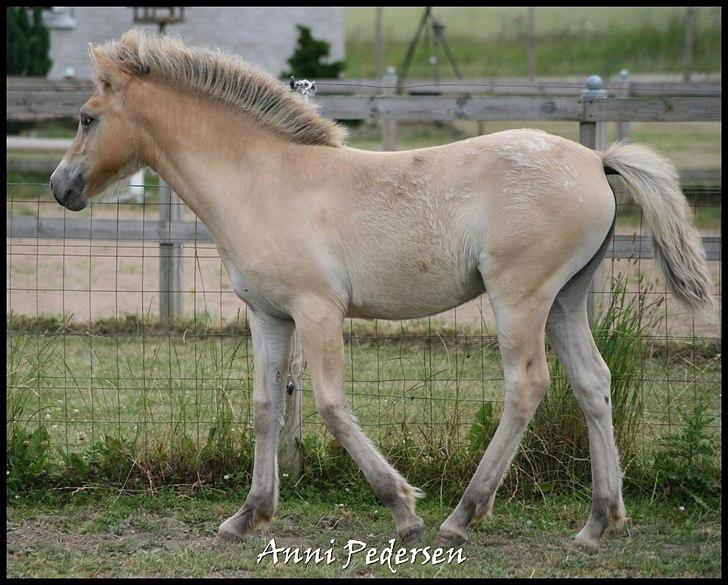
(311, 231)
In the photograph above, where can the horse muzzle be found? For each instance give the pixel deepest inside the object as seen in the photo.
(67, 185)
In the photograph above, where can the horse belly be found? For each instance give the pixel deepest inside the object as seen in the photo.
(411, 294)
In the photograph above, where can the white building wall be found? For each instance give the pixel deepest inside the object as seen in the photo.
(265, 36)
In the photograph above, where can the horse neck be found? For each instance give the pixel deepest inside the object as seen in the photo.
(211, 157)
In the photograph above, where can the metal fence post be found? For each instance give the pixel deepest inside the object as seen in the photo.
(389, 127)
(623, 91)
(170, 255)
(594, 135)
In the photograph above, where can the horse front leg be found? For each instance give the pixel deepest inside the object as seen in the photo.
(320, 329)
(272, 339)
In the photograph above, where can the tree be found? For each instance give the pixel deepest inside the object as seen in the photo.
(28, 46)
(39, 46)
(17, 35)
(310, 56)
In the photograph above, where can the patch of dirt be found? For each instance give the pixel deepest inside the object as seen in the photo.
(38, 532)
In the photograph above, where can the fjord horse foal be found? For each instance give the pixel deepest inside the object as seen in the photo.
(312, 231)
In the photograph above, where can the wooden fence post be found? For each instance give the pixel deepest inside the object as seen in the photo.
(291, 459)
(623, 91)
(170, 256)
(389, 127)
(593, 135)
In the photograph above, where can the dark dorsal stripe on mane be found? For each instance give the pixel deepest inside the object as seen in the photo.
(227, 79)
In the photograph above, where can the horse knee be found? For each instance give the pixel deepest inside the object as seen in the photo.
(334, 411)
(526, 390)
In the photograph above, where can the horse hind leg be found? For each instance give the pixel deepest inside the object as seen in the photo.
(520, 325)
(571, 339)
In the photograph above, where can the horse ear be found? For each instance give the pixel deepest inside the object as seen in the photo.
(109, 73)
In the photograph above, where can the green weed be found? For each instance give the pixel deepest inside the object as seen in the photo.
(687, 461)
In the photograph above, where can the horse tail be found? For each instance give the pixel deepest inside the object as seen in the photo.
(652, 182)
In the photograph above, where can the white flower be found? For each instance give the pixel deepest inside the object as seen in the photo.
(681, 508)
(75, 411)
(17, 497)
(340, 505)
(226, 477)
(285, 475)
(7, 472)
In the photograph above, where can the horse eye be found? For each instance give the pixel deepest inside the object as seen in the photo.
(86, 121)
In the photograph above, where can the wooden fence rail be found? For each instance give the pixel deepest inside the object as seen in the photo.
(187, 232)
(42, 105)
(637, 86)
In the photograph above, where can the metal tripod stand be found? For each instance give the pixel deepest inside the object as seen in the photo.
(437, 31)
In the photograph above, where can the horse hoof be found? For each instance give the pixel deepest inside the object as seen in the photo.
(412, 534)
(227, 537)
(447, 539)
(586, 543)
(237, 526)
(230, 530)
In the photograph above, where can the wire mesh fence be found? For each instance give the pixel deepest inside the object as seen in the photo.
(88, 356)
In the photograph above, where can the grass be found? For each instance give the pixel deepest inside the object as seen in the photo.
(150, 387)
(104, 533)
(688, 145)
(126, 403)
(569, 41)
(65, 128)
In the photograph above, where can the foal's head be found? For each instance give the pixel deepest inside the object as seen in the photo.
(109, 142)
(105, 149)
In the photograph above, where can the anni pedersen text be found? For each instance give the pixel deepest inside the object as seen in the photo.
(357, 551)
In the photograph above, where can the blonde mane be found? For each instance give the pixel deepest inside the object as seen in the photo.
(226, 79)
